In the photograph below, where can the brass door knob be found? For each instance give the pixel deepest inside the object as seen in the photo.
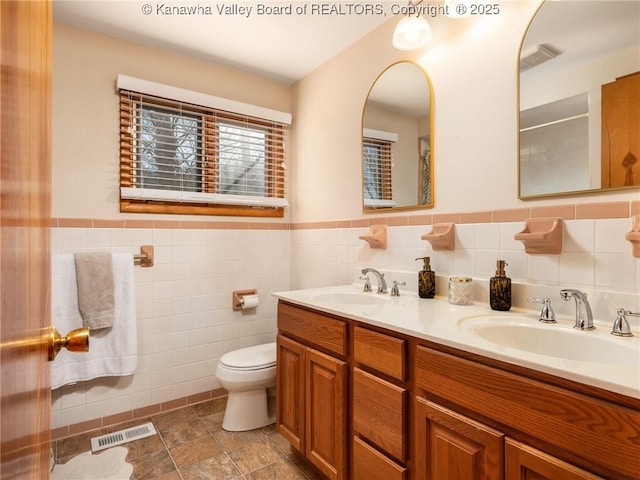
(75, 341)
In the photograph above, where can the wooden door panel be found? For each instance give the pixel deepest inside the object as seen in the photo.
(620, 146)
(450, 446)
(25, 216)
(326, 410)
(290, 390)
(527, 463)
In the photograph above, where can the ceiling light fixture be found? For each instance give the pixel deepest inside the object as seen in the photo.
(413, 31)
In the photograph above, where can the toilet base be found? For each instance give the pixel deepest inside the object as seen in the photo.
(247, 411)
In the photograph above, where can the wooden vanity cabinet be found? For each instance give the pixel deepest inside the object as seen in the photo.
(380, 448)
(311, 387)
(469, 415)
(364, 403)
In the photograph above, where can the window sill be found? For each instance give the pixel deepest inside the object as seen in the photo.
(129, 206)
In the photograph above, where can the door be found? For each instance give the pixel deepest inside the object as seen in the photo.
(290, 392)
(620, 147)
(326, 413)
(527, 463)
(25, 216)
(450, 446)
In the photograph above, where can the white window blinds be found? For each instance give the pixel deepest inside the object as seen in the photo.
(177, 152)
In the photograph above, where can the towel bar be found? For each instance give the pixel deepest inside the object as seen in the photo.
(145, 256)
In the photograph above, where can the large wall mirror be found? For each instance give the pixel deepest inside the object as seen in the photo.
(580, 98)
(397, 141)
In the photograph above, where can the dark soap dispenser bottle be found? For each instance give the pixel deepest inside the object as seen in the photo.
(426, 279)
(500, 289)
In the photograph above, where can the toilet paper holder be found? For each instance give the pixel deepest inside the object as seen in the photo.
(237, 297)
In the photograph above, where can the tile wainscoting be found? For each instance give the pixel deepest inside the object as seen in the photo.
(185, 318)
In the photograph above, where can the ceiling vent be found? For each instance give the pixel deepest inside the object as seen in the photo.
(537, 55)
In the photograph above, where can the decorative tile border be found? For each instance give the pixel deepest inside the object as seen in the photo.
(584, 211)
(136, 414)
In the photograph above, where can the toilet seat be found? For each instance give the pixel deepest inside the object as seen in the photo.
(257, 357)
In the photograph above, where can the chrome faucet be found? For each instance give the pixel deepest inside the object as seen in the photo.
(547, 314)
(382, 283)
(367, 284)
(395, 291)
(621, 327)
(584, 317)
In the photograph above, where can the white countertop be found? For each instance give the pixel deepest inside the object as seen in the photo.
(438, 321)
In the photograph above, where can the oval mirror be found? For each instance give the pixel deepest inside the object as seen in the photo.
(580, 98)
(397, 140)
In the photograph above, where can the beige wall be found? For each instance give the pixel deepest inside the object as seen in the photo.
(186, 321)
(85, 110)
(472, 64)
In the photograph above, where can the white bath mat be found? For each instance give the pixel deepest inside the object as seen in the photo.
(108, 465)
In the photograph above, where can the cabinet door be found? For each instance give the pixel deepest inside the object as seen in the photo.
(527, 463)
(450, 446)
(326, 410)
(290, 391)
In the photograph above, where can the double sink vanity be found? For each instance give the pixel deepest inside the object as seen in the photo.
(372, 386)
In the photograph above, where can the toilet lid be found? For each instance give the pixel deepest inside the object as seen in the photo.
(251, 358)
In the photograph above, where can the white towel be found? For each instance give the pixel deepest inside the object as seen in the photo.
(112, 351)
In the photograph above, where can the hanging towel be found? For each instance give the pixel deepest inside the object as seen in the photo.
(112, 351)
(94, 274)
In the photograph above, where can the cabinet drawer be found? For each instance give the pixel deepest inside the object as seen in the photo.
(314, 328)
(369, 464)
(379, 413)
(381, 352)
(592, 431)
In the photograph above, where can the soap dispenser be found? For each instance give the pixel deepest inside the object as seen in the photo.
(426, 279)
(500, 289)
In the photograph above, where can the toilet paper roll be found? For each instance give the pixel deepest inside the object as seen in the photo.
(249, 301)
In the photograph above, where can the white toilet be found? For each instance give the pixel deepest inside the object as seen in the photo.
(246, 374)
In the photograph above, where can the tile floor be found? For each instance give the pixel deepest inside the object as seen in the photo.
(191, 445)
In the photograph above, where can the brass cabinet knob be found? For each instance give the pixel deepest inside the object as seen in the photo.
(75, 341)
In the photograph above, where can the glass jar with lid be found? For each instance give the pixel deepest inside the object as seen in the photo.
(461, 290)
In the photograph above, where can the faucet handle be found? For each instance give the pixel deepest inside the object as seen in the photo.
(546, 315)
(395, 291)
(367, 283)
(621, 326)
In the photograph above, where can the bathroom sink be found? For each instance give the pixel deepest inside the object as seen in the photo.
(352, 298)
(555, 340)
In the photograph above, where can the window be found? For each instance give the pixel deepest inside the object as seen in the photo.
(377, 172)
(169, 149)
(182, 157)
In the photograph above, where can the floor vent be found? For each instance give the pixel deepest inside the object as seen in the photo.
(122, 436)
